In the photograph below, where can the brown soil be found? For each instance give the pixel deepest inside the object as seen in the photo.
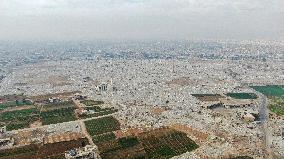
(128, 132)
(200, 136)
(158, 110)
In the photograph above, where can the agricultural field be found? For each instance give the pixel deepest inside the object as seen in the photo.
(270, 90)
(47, 151)
(275, 93)
(19, 119)
(26, 152)
(166, 143)
(92, 102)
(161, 143)
(208, 97)
(57, 116)
(123, 148)
(242, 95)
(56, 150)
(14, 104)
(102, 125)
(104, 137)
(60, 105)
(276, 105)
(22, 118)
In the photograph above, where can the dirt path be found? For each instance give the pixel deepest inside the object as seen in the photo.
(263, 112)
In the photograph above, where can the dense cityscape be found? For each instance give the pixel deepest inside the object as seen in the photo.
(142, 99)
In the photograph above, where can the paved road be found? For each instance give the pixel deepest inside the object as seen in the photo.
(263, 112)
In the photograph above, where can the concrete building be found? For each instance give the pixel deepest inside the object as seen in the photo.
(2, 129)
(103, 87)
(87, 152)
(6, 143)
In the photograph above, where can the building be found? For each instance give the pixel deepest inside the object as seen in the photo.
(87, 152)
(103, 87)
(6, 143)
(2, 129)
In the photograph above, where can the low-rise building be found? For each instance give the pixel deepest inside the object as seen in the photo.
(6, 143)
(87, 152)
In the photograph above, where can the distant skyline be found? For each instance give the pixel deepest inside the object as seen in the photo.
(141, 19)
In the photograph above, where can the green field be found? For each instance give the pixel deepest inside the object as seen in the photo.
(14, 104)
(167, 143)
(276, 105)
(129, 141)
(102, 125)
(270, 90)
(104, 137)
(58, 116)
(27, 151)
(160, 143)
(242, 95)
(275, 93)
(19, 119)
(52, 106)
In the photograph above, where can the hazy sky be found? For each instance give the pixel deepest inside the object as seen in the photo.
(141, 19)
